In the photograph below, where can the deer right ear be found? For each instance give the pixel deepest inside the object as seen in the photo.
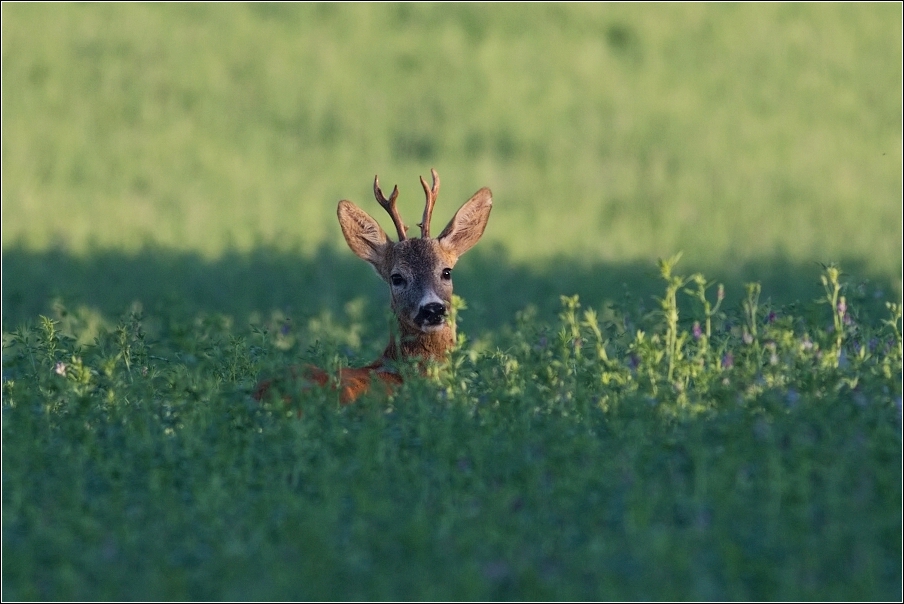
(467, 226)
(362, 233)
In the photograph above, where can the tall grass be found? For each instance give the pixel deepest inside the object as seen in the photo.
(626, 456)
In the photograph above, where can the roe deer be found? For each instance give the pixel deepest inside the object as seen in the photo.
(419, 274)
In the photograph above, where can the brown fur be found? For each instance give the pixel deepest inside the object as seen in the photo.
(418, 274)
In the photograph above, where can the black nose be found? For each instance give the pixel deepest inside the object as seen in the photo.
(433, 313)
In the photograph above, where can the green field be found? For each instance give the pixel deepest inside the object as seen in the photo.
(170, 175)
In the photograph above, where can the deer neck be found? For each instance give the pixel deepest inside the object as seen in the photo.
(409, 343)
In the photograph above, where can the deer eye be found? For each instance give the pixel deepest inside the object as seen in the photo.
(447, 273)
(398, 280)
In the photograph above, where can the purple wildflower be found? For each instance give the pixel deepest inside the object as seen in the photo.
(698, 333)
(634, 362)
(770, 318)
(727, 360)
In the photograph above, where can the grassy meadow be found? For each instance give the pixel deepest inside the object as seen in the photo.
(615, 424)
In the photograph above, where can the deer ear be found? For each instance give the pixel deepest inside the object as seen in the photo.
(362, 233)
(466, 227)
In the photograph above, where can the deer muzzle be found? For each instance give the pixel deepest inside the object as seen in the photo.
(431, 315)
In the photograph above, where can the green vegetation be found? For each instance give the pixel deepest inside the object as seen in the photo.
(754, 455)
(605, 431)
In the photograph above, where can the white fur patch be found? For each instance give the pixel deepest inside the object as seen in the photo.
(431, 298)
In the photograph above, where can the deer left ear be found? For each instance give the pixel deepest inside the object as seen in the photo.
(362, 233)
(468, 224)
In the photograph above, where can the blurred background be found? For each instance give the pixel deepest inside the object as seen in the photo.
(191, 156)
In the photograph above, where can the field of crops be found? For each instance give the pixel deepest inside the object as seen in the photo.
(614, 423)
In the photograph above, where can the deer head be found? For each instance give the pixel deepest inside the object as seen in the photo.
(418, 270)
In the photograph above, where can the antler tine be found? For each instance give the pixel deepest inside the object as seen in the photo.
(390, 206)
(430, 194)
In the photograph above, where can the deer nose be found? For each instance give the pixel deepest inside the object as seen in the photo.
(432, 314)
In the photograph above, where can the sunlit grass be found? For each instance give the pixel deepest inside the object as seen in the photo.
(610, 132)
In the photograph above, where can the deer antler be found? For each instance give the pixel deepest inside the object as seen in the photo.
(430, 194)
(390, 206)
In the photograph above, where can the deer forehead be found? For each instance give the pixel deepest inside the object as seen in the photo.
(419, 257)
